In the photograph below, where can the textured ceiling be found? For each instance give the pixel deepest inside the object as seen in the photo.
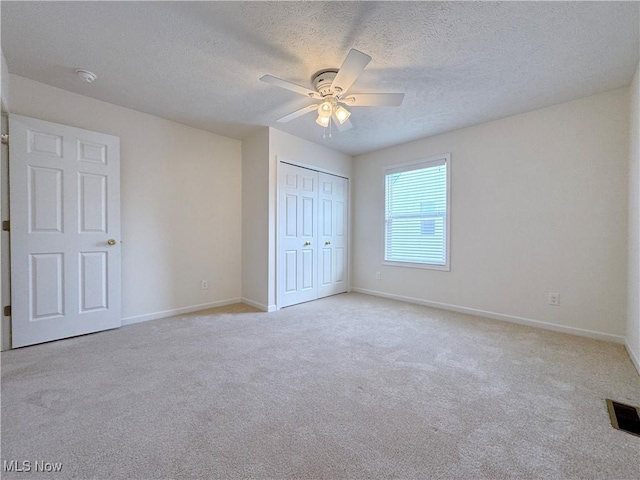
(198, 63)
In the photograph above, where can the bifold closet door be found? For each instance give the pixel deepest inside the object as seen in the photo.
(297, 235)
(332, 234)
(312, 235)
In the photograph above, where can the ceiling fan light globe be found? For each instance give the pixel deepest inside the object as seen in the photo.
(325, 109)
(323, 121)
(342, 114)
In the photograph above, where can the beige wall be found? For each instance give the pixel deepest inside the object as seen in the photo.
(633, 282)
(255, 219)
(180, 201)
(538, 205)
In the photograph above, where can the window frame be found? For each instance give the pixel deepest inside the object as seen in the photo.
(406, 167)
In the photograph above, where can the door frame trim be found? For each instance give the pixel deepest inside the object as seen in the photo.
(310, 167)
(5, 246)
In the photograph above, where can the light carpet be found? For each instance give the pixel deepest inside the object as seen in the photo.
(350, 386)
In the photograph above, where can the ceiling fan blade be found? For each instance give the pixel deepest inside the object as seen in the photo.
(341, 127)
(298, 113)
(373, 99)
(352, 66)
(278, 82)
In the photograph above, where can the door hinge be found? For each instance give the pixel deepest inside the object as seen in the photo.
(7, 311)
(5, 139)
(6, 226)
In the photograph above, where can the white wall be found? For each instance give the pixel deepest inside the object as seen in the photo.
(633, 282)
(255, 219)
(283, 146)
(180, 198)
(538, 205)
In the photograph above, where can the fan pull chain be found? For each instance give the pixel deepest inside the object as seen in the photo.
(324, 133)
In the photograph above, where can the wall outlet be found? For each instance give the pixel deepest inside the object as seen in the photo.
(378, 275)
(554, 298)
(204, 284)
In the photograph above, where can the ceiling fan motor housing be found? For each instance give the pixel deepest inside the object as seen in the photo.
(322, 81)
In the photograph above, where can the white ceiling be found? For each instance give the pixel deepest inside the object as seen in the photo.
(198, 63)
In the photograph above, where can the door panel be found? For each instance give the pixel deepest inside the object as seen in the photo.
(341, 266)
(47, 285)
(92, 203)
(291, 216)
(327, 217)
(40, 143)
(45, 200)
(92, 152)
(297, 232)
(290, 271)
(308, 270)
(93, 281)
(341, 210)
(65, 205)
(326, 266)
(308, 217)
(332, 239)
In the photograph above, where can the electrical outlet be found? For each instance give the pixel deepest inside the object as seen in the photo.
(204, 284)
(554, 298)
(378, 275)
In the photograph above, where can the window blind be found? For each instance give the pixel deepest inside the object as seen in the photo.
(416, 213)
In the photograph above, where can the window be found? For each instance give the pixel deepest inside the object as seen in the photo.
(417, 214)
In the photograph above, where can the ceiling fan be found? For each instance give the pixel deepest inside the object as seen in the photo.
(332, 93)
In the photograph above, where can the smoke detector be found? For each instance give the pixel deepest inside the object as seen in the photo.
(86, 75)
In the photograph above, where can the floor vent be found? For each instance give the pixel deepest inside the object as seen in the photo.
(624, 417)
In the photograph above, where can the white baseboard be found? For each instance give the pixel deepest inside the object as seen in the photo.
(634, 358)
(251, 303)
(259, 306)
(177, 311)
(497, 316)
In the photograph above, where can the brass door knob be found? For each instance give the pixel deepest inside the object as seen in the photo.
(111, 242)
(327, 243)
(306, 244)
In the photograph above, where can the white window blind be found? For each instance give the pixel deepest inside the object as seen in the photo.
(416, 213)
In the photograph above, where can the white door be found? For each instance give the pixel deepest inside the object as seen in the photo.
(65, 231)
(297, 238)
(332, 234)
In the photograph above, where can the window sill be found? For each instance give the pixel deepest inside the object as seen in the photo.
(424, 266)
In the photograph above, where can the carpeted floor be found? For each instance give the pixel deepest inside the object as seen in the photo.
(350, 386)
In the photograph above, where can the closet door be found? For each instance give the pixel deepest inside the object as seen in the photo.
(332, 234)
(297, 235)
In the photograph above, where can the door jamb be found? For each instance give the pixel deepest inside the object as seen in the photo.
(5, 244)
